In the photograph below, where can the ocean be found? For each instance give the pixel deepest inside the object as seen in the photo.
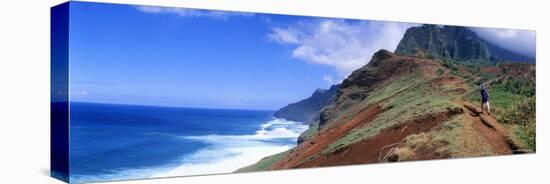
(120, 142)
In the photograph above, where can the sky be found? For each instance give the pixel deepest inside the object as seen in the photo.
(518, 41)
(162, 56)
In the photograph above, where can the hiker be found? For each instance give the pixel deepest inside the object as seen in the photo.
(484, 99)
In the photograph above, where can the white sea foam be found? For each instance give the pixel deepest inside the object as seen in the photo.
(224, 161)
(126, 174)
(274, 129)
(228, 153)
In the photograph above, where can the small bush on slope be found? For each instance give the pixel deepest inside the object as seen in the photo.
(524, 115)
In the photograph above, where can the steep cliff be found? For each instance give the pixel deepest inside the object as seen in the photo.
(454, 42)
(307, 110)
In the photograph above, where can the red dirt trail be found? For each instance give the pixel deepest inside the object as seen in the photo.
(487, 126)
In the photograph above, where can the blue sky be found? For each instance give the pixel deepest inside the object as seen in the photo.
(120, 54)
(194, 58)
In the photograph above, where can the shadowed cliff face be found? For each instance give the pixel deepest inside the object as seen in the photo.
(454, 42)
(307, 110)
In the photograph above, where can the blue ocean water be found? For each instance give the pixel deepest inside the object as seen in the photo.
(118, 142)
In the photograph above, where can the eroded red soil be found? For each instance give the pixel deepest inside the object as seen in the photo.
(373, 149)
(326, 137)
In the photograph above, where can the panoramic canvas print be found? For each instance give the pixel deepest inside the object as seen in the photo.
(146, 92)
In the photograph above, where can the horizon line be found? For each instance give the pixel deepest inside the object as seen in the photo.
(172, 106)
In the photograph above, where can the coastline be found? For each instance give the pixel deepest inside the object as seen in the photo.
(238, 138)
(229, 153)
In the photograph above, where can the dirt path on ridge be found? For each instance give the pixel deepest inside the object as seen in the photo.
(487, 126)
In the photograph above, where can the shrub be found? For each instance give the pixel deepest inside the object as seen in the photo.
(524, 115)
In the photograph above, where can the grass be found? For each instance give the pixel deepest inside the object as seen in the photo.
(311, 131)
(528, 135)
(418, 99)
(463, 139)
(521, 138)
(405, 154)
(265, 163)
(523, 116)
(505, 94)
(455, 138)
(394, 87)
(470, 68)
(388, 90)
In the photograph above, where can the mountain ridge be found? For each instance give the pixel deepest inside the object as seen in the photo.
(455, 42)
(307, 110)
(417, 104)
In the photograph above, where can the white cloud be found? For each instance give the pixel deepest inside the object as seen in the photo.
(330, 81)
(284, 35)
(185, 12)
(518, 41)
(344, 45)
